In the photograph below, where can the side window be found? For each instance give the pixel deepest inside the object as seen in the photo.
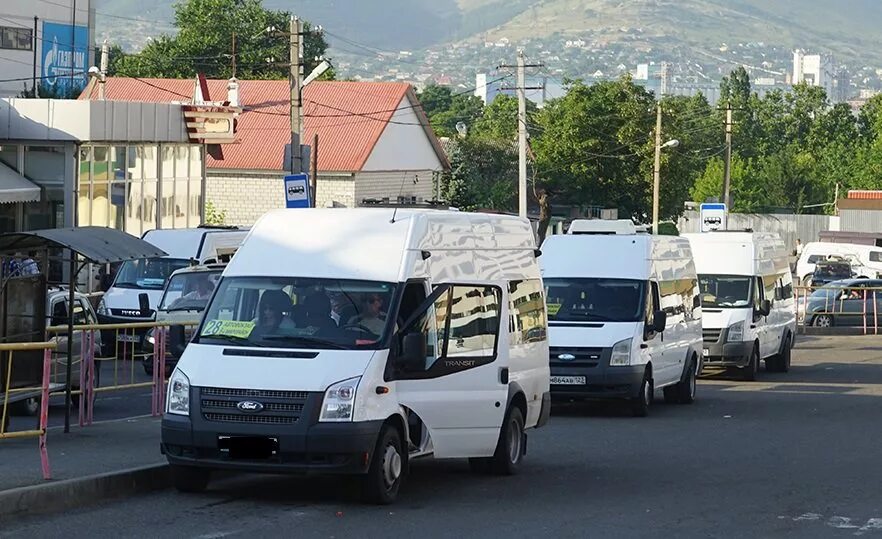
(875, 256)
(468, 321)
(652, 302)
(527, 320)
(80, 313)
(813, 259)
(758, 291)
(770, 287)
(59, 312)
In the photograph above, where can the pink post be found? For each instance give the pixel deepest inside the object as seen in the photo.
(44, 413)
(164, 333)
(157, 364)
(83, 375)
(875, 316)
(865, 311)
(90, 385)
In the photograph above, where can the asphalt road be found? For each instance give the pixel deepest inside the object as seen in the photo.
(792, 455)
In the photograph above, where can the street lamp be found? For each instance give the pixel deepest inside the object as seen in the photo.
(657, 179)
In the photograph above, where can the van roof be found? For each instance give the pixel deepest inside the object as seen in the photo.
(612, 256)
(738, 253)
(365, 243)
(184, 242)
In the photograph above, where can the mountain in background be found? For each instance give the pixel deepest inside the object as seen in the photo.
(848, 28)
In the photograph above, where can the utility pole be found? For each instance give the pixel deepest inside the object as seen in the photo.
(313, 169)
(522, 136)
(36, 42)
(295, 77)
(656, 170)
(727, 166)
(521, 89)
(102, 76)
(233, 66)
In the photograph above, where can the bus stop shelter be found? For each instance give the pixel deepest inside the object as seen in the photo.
(27, 294)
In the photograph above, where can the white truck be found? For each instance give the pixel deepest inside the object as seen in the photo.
(388, 336)
(747, 300)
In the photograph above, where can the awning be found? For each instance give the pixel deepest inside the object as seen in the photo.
(16, 188)
(97, 244)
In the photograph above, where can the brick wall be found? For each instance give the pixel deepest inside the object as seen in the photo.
(390, 184)
(246, 196)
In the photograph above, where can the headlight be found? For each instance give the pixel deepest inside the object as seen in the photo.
(179, 394)
(339, 401)
(735, 332)
(621, 353)
(102, 308)
(149, 338)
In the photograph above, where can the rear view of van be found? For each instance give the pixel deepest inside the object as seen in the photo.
(623, 316)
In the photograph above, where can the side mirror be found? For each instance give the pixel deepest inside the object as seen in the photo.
(413, 352)
(144, 303)
(177, 341)
(660, 321)
(765, 307)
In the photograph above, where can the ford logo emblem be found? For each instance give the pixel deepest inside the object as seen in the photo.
(566, 357)
(250, 406)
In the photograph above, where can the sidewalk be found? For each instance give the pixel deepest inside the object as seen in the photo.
(89, 463)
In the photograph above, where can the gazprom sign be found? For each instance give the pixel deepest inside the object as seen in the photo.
(65, 56)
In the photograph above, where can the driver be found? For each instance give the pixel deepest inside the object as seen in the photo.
(202, 291)
(372, 316)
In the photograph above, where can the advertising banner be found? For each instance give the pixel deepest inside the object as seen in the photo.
(65, 57)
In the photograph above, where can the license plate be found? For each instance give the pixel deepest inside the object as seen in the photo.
(248, 447)
(567, 380)
(706, 352)
(123, 337)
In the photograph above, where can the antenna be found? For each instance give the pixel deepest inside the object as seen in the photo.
(401, 190)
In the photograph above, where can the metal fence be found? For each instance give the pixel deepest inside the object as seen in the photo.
(858, 308)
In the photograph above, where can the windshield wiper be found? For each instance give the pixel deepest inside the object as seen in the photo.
(127, 284)
(591, 316)
(230, 338)
(182, 309)
(307, 340)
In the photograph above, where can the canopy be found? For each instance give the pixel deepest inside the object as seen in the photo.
(16, 188)
(97, 244)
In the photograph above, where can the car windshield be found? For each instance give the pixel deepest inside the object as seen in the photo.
(595, 300)
(295, 312)
(725, 291)
(189, 291)
(147, 273)
(832, 271)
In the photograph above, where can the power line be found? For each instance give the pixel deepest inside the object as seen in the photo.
(104, 14)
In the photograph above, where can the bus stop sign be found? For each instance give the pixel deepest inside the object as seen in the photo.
(713, 217)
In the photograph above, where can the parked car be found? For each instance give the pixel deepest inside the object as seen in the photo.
(57, 313)
(845, 303)
(828, 271)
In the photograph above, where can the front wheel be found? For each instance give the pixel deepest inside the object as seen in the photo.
(823, 321)
(748, 373)
(386, 473)
(190, 478)
(684, 391)
(640, 404)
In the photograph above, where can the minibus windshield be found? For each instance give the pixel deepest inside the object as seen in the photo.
(725, 291)
(147, 273)
(189, 291)
(296, 312)
(595, 300)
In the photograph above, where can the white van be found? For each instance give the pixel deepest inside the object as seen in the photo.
(747, 300)
(388, 336)
(622, 317)
(865, 260)
(121, 303)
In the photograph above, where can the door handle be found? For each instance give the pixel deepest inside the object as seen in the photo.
(753, 326)
(503, 376)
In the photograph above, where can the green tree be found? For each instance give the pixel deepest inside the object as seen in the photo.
(445, 109)
(204, 43)
(500, 119)
(483, 174)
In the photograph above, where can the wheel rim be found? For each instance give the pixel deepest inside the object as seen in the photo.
(647, 392)
(823, 321)
(514, 441)
(391, 466)
(692, 383)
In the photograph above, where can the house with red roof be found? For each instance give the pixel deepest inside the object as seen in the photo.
(374, 141)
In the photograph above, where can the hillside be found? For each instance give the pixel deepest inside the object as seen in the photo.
(848, 28)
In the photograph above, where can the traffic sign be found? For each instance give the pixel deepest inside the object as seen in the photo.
(713, 217)
(297, 191)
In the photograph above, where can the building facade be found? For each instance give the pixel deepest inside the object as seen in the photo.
(814, 70)
(45, 44)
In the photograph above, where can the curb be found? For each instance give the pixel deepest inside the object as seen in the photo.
(81, 491)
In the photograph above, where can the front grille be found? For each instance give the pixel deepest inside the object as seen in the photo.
(277, 407)
(711, 335)
(582, 357)
(255, 419)
(269, 406)
(131, 313)
(254, 393)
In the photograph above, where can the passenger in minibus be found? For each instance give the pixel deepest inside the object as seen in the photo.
(273, 313)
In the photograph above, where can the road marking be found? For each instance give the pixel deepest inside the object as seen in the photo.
(216, 535)
(800, 388)
(839, 522)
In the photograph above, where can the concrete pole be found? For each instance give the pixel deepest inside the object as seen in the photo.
(295, 29)
(522, 136)
(656, 172)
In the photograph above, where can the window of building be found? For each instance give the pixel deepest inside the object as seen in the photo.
(9, 156)
(15, 38)
(44, 164)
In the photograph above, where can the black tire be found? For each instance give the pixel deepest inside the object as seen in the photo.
(147, 363)
(687, 388)
(387, 470)
(748, 373)
(641, 403)
(27, 407)
(190, 478)
(786, 356)
(510, 448)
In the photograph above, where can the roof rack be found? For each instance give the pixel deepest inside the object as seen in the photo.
(404, 203)
(218, 227)
(733, 230)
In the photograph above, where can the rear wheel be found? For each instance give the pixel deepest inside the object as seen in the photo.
(640, 404)
(190, 478)
(684, 391)
(386, 472)
(823, 321)
(510, 447)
